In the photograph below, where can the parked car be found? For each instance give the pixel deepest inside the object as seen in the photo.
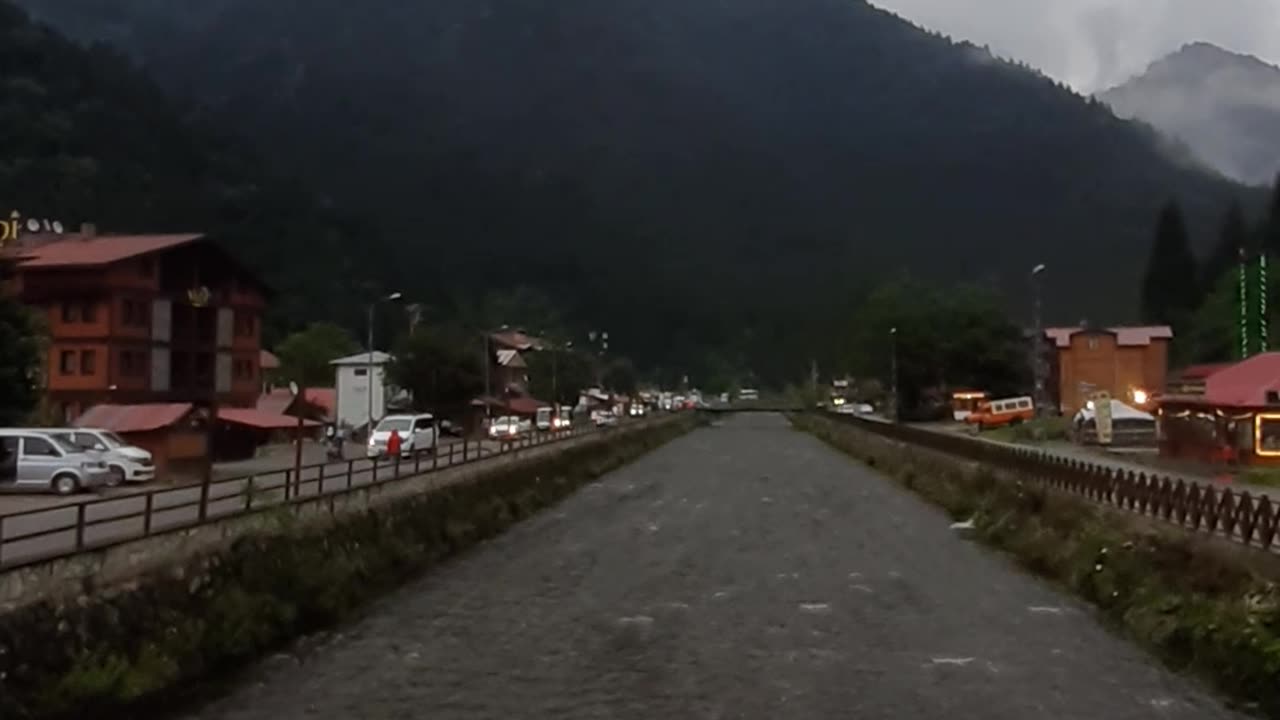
(33, 461)
(128, 463)
(542, 420)
(637, 410)
(748, 394)
(563, 419)
(508, 426)
(417, 434)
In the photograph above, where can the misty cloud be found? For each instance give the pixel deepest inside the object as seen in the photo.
(1096, 44)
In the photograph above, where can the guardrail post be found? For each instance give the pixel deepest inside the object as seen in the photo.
(146, 513)
(204, 501)
(320, 482)
(351, 466)
(464, 450)
(288, 484)
(1, 540)
(80, 526)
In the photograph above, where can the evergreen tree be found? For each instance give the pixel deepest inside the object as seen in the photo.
(19, 362)
(1233, 237)
(1170, 288)
(1270, 230)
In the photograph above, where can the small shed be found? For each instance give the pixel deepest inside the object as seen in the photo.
(172, 432)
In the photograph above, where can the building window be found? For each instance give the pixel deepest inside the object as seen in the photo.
(67, 362)
(126, 363)
(204, 366)
(1093, 343)
(89, 312)
(88, 362)
(362, 372)
(244, 324)
(69, 312)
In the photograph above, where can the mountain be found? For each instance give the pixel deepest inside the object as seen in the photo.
(687, 173)
(89, 138)
(1224, 106)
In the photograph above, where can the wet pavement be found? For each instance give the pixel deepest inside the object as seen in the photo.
(743, 571)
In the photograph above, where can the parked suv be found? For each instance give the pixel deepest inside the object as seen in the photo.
(30, 460)
(417, 434)
(128, 463)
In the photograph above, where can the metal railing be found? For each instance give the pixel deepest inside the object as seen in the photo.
(64, 530)
(1199, 507)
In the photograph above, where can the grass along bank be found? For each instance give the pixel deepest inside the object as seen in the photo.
(1201, 605)
(141, 651)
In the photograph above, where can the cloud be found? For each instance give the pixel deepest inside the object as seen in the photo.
(1095, 44)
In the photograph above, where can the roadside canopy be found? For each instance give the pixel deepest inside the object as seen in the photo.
(1119, 412)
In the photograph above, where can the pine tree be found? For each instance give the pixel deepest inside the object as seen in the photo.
(19, 362)
(1270, 230)
(1233, 236)
(1171, 286)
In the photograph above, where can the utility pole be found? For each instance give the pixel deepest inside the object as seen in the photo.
(892, 373)
(1037, 345)
(368, 377)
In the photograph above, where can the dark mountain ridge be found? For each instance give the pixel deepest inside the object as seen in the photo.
(690, 172)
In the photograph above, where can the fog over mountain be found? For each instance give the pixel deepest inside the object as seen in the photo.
(1224, 106)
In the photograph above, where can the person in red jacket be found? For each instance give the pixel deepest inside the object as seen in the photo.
(393, 445)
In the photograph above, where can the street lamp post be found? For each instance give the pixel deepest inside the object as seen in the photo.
(1037, 342)
(369, 364)
(893, 374)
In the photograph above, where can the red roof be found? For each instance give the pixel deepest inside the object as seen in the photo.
(516, 340)
(324, 398)
(133, 418)
(268, 361)
(1125, 336)
(275, 402)
(1244, 384)
(1200, 372)
(255, 418)
(89, 251)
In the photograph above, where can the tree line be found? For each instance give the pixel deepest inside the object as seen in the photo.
(1199, 297)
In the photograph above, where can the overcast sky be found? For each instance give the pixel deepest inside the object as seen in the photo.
(1094, 44)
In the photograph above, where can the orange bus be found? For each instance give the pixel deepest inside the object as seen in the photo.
(965, 402)
(1002, 413)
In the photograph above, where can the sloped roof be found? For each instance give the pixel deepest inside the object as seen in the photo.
(255, 418)
(91, 251)
(1244, 384)
(1125, 336)
(511, 358)
(379, 358)
(279, 401)
(134, 418)
(276, 402)
(268, 361)
(1202, 371)
(516, 340)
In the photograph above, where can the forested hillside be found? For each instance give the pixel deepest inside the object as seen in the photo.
(88, 138)
(695, 174)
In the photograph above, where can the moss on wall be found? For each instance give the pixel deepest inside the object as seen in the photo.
(137, 651)
(1202, 605)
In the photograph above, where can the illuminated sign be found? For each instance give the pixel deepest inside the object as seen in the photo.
(10, 228)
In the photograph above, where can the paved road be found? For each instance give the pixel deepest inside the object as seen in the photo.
(49, 529)
(744, 571)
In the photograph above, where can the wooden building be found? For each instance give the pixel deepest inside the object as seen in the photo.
(1130, 363)
(142, 319)
(1224, 413)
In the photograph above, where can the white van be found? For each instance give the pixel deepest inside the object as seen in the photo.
(417, 434)
(128, 463)
(35, 462)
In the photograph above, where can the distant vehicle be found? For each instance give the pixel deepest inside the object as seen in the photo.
(509, 426)
(637, 410)
(604, 418)
(33, 461)
(128, 463)
(449, 429)
(677, 403)
(724, 398)
(863, 409)
(664, 401)
(563, 419)
(965, 402)
(748, 394)
(1002, 413)
(417, 434)
(542, 420)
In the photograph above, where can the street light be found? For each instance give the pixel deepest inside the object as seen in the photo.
(393, 297)
(1037, 349)
(893, 373)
